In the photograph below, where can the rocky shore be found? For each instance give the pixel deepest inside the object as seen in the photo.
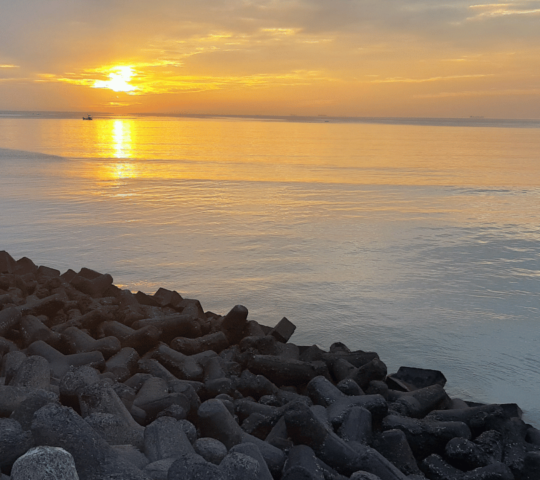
(98, 383)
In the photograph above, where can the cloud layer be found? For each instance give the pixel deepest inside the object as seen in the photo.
(352, 57)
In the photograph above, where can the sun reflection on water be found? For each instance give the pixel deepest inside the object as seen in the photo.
(121, 138)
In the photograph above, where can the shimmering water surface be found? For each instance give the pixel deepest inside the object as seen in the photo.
(418, 241)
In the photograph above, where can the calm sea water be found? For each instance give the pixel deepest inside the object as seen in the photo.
(416, 239)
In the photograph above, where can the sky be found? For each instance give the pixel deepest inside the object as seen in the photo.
(401, 58)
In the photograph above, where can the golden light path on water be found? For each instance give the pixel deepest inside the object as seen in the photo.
(241, 150)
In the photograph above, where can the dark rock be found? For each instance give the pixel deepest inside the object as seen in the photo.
(278, 436)
(77, 341)
(44, 271)
(112, 429)
(14, 442)
(88, 321)
(237, 466)
(147, 300)
(282, 371)
(342, 369)
(415, 378)
(152, 389)
(251, 450)
(59, 426)
(42, 463)
(163, 438)
(495, 471)
(155, 369)
(302, 464)
(190, 346)
(11, 363)
(491, 442)
(175, 411)
(531, 466)
(194, 467)
(75, 380)
(216, 421)
(357, 426)
(48, 306)
(12, 397)
(425, 436)
(340, 408)
(172, 326)
(378, 387)
(9, 318)
(188, 389)
(533, 436)
(123, 364)
(7, 262)
(131, 454)
(94, 287)
(192, 307)
(305, 429)
(24, 412)
(234, 323)
(101, 398)
(33, 372)
(339, 347)
(283, 331)
(364, 476)
(465, 455)
(393, 445)
(160, 469)
(182, 366)
(322, 392)
(143, 339)
(32, 329)
(351, 388)
(419, 403)
(253, 329)
(7, 346)
(436, 468)
(374, 370)
(254, 386)
(168, 298)
(59, 363)
(210, 449)
(474, 416)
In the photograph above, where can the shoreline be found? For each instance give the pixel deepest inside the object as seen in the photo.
(193, 391)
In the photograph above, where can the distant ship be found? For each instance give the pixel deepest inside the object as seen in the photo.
(89, 117)
(476, 116)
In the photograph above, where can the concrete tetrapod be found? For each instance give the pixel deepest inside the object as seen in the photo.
(45, 463)
(305, 429)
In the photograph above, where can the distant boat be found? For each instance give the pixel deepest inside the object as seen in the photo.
(89, 117)
(476, 116)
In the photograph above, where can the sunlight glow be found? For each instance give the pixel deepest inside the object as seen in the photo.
(119, 80)
(121, 139)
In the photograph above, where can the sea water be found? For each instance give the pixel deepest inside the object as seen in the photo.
(417, 239)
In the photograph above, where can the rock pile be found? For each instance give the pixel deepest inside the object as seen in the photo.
(100, 383)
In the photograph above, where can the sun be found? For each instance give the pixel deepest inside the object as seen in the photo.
(119, 78)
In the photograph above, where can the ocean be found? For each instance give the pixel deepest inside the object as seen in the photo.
(415, 238)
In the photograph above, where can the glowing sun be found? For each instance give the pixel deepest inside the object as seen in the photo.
(119, 78)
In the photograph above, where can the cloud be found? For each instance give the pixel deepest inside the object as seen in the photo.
(74, 48)
(429, 79)
(483, 93)
(493, 10)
